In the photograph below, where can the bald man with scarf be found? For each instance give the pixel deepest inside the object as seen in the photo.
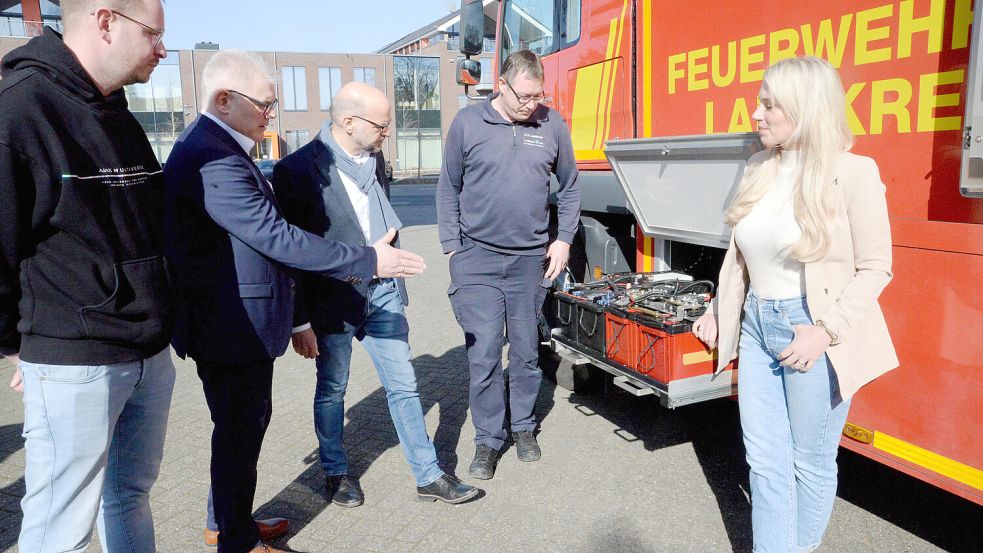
(335, 187)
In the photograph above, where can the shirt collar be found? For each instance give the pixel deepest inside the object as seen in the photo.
(244, 141)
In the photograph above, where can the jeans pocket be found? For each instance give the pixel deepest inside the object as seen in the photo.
(67, 374)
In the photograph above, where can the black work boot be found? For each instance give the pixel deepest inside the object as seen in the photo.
(448, 489)
(343, 491)
(483, 465)
(526, 447)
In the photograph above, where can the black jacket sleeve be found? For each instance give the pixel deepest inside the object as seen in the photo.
(16, 200)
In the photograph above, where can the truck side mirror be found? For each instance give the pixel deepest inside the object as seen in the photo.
(472, 27)
(468, 72)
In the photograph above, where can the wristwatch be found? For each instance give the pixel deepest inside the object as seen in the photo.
(833, 338)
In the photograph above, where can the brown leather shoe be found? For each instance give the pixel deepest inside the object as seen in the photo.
(268, 529)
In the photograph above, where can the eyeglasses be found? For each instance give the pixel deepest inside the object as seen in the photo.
(157, 33)
(267, 107)
(378, 127)
(523, 100)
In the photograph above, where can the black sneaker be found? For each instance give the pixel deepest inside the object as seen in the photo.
(483, 465)
(526, 447)
(448, 489)
(344, 491)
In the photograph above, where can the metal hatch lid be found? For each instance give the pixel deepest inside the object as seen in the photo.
(679, 187)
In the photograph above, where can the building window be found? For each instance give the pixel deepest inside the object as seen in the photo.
(329, 81)
(365, 75)
(416, 84)
(294, 89)
(159, 105)
(296, 139)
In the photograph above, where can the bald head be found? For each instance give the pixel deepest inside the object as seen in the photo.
(361, 115)
(357, 98)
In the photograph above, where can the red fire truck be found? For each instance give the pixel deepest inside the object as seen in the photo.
(658, 97)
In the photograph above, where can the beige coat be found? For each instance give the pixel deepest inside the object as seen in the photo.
(841, 288)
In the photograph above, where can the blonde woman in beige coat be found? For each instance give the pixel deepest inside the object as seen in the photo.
(797, 299)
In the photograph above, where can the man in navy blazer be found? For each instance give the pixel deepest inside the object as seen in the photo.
(335, 187)
(234, 257)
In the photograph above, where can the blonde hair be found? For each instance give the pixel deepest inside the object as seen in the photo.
(809, 92)
(229, 69)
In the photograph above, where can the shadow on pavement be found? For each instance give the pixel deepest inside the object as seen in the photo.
(713, 428)
(933, 514)
(369, 432)
(930, 513)
(10, 442)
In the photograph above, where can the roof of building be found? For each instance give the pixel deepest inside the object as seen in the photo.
(427, 29)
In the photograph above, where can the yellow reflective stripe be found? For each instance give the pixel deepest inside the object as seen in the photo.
(614, 72)
(930, 460)
(699, 357)
(647, 69)
(648, 247)
(589, 155)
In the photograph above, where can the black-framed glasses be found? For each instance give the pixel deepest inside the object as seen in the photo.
(523, 100)
(157, 33)
(267, 107)
(378, 127)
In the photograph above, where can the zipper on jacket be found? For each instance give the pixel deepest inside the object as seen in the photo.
(514, 145)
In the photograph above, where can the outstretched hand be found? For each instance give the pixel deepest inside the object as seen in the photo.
(392, 262)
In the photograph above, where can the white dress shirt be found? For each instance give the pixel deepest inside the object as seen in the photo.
(360, 200)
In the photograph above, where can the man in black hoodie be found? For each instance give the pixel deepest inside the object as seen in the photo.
(81, 252)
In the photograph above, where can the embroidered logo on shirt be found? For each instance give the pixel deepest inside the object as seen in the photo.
(530, 139)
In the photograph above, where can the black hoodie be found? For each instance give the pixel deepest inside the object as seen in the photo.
(81, 217)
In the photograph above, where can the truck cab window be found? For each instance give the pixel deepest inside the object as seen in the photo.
(529, 24)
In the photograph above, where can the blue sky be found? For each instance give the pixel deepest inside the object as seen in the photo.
(359, 26)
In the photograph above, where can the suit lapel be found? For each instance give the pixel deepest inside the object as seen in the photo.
(331, 186)
(223, 136)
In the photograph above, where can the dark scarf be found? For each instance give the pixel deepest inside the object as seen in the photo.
(381, 214)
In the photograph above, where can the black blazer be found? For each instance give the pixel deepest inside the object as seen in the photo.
(234, 253)
(313, 197)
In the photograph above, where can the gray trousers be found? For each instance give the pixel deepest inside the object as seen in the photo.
(490, 293)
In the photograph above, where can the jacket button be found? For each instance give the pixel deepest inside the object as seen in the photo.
(361, 242)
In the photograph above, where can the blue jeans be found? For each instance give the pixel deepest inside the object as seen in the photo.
(94, 438)
(791, 423)
(386, 339)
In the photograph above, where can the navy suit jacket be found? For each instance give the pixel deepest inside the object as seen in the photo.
(234, 253)
(309, 188)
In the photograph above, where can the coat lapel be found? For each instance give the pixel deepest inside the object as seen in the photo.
(332, 188)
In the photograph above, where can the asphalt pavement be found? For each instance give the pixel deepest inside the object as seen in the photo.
(618, 473)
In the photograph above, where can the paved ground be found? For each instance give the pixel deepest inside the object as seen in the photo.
(618, 473)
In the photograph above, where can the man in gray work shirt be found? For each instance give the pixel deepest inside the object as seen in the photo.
(493, 215)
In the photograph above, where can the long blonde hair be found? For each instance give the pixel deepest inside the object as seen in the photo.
(809, 92)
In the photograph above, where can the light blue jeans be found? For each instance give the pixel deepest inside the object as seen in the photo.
(791, 423)
(386, 339)
(94, 442)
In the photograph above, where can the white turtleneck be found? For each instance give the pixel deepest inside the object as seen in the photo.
(766, 234)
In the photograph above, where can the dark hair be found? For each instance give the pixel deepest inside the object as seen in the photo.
(522, 61)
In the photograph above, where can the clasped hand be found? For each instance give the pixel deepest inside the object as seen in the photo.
(808, 344)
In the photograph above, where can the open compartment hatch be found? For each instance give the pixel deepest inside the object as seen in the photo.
(679, 187)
